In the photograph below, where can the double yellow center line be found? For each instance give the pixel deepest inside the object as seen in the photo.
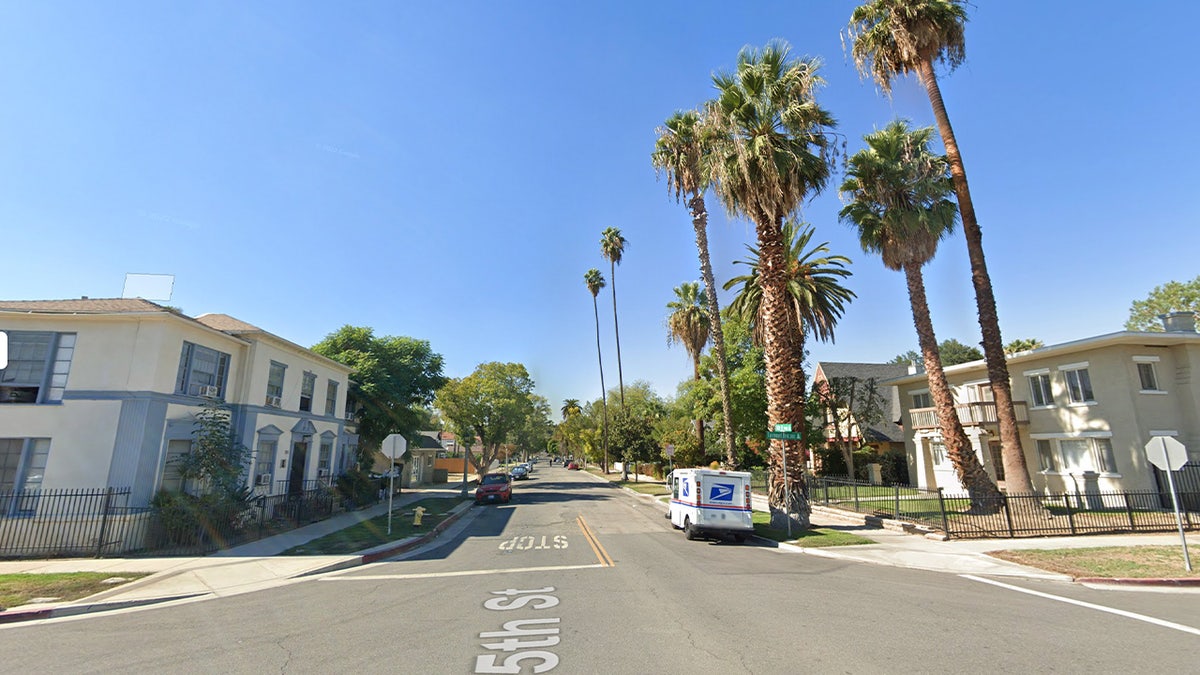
(601, 554)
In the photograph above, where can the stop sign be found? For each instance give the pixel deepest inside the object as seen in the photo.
(1166, 453)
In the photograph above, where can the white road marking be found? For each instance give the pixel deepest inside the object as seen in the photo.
(464, 573)
(1080, 603)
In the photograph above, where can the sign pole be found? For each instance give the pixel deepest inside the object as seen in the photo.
(391, 488)
(787, 492)
(1187, 559)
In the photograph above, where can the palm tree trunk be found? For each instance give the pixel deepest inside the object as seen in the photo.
(603, 391)
(1016, 471)
(617, 330)
(784, 379)
(700, 223)
(984, 493)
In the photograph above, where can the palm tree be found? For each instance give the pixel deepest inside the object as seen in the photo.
(688, 324)
(612, 247)
(571, 406)
(683, 151)
(814, 288)
(774, 153)
(899, 201)
(595, 281)
(892, 38)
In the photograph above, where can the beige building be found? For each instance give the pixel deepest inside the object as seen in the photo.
(102, 393)
(1085, 410)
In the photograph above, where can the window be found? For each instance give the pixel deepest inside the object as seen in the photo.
(264, 464)
(1039, 390)
(1076, 455)
(1079, 385)
(202, 371)
(275, 385)
(306, 391)
(331, 398)
(38, 365)
(937, 450)
(1147, 377)
(324, 457)
(997, 451)
(921, 400)
(171, 480)
(22, 463)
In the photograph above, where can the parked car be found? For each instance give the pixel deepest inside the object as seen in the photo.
(519, 472)
(494, 487)
(572, 466)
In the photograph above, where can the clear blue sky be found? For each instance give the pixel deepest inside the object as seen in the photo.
(444, 170)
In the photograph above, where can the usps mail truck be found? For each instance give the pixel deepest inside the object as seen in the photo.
(711, 502)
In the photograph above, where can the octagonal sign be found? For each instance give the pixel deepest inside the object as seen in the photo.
(1166, 453)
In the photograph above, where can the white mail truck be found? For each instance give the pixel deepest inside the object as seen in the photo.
(708, 502)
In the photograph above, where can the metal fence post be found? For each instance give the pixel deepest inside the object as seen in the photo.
(1129, 512)
(103, 522)
(1070, 512)
(942, 504)
(1009, 517)
(854, 486)
(897, 485)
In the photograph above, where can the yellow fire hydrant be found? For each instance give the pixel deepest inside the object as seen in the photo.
(417, 514)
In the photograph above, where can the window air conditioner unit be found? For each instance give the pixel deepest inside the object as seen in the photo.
(274, 401)
(321, 473)
(263, 479)
(210, 392)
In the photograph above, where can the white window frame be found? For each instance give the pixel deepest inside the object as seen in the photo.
(1032, 377)
(1099, 453)
(912, 396)
(275, 390)
(1148, 362)
(1072, 370)
(264, 462)
(184, 383)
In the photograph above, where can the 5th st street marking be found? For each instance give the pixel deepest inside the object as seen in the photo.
(530, 543)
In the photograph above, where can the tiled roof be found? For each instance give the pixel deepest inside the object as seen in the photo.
(228, 324)
(83, 306)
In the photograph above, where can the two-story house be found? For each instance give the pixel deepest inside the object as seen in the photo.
(103, 393)
(1085, 410)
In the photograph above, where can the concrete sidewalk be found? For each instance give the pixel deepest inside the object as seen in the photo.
(250, 567)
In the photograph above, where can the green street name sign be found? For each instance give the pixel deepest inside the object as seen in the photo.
(782, 427)
(784, 435)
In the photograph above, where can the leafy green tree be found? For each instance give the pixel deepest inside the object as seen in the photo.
(898, 193)
(774, 153)
(910, 356)
(848, 406)
(684, 152)
(688, 324)
(748, 391)
(1173, 296)
(890, 39)
(612, 246)
(533, 434)
(216, 463)
(493, 404)
(1023, 345)
(954, 352)
(633, 438)
(393, 382)
(594, 282)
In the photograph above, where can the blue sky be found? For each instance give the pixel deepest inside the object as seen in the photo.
(444, 170)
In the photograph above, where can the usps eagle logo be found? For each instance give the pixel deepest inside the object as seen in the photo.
(721, 492)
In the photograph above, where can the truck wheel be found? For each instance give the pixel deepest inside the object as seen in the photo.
(689, 530)
(739, 538)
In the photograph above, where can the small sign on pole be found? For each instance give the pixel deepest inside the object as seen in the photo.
(1170, 455)
(782, 427)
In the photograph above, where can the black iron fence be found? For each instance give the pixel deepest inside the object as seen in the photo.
(1012, 515)
(100, 522)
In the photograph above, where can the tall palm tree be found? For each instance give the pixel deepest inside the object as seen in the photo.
(898, 195)
(571, 406)
(773, 154)
(684, 151)
(612, 247)
(892, 38)
(688, 324)
(595, 281)
(814, 285)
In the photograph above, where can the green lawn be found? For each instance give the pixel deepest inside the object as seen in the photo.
(1131, 562)
(19, 589)
(374, 532)
(816, 537)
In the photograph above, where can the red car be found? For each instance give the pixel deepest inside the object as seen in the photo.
(494, 487)
(573, 466)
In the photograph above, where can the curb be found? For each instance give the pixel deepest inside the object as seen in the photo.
(1183, 582)
(16, 615)
(404, 545)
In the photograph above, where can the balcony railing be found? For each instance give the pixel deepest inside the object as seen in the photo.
(970, 414)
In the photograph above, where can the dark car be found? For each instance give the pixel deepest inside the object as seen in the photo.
(519, 472)
(494, 487)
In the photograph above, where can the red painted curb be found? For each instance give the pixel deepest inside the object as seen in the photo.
(1184, 581)
(413, 543)
(33, 615)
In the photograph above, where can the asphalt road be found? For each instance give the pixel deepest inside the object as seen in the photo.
(580, 577)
